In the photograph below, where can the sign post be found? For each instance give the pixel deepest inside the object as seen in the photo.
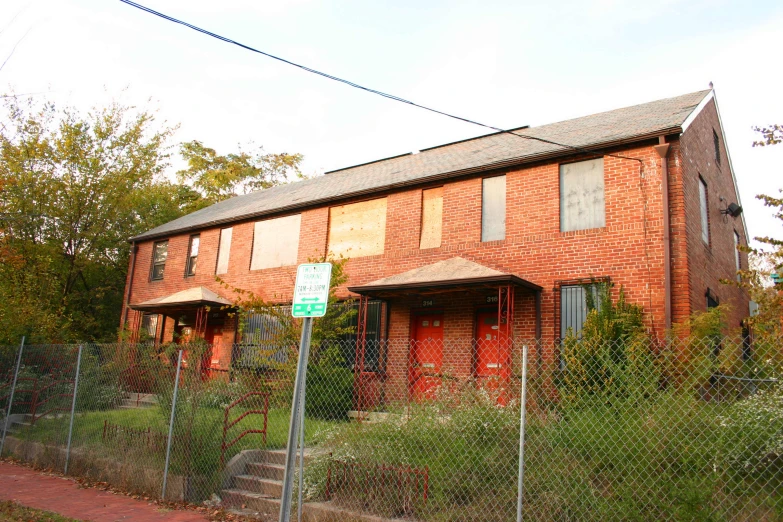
(311, 295)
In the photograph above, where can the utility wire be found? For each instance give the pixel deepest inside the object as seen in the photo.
(357, 86)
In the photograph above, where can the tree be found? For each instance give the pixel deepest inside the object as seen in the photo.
(765, 261)
(74, 188)
(218, 177)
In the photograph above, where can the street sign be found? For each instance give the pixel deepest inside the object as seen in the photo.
(311, 292)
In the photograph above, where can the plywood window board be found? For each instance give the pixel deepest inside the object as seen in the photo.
(276, 242)
(582, 203)
(431, 217)
(224, 250)
(493, 208)
(358, 229)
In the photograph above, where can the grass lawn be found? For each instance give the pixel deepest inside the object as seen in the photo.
(88, 427)
(196, 445)
(13, 512)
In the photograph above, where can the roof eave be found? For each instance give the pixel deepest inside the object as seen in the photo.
(533, 158)
(474, 281)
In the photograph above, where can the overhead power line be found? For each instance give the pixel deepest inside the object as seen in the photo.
(358, 86)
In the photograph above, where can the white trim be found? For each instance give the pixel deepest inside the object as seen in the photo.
(692, 116)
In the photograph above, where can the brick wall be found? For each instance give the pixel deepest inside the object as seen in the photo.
(628, 249)
(707, 264)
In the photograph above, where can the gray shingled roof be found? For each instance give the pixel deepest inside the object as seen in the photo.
(482, 153)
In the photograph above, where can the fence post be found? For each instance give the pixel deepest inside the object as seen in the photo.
(522, 408)
(293, 428)
(171, 425)
(73, 409)
(11, 396)
(301, 450)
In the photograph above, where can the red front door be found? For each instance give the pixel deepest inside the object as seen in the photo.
(493, 353)
(426, 361)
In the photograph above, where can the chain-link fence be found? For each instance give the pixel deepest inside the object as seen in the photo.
(633, 429)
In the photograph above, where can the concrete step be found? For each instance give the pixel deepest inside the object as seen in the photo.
(267, 471)
(241, 499)
(254, 484)
(275, 457)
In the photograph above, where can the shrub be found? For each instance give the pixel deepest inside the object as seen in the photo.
(469, 450)
(611, 357)
(752, 433)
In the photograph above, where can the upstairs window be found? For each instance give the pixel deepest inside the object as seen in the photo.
(493, 209)
(716, 142)
(190, 266)
(737, 254)
(582, 203)
(224, 249)
(160, 251)
(705, 221)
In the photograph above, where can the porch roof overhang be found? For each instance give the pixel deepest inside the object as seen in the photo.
(449, 275)
(186, 299)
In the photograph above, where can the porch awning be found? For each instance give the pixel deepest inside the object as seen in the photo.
(454, 273)
(190, 298)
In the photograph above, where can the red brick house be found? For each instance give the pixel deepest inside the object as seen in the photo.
(486, 238)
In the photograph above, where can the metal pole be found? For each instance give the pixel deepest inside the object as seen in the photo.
(301, 449)
(293, 428)
(11, 396)
(522, 408)
(6, 420)
(73, 409)
(171, 425)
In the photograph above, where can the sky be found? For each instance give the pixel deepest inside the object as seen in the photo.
(505, 63)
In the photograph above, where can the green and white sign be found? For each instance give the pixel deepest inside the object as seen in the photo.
(311, 292)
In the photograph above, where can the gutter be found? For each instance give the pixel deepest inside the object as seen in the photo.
(514, 162)
(663, 151)
(130, 283)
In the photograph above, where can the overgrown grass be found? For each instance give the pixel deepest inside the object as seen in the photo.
(662, 458)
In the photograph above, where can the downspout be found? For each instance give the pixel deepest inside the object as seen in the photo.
(663, 151)
(130, 283)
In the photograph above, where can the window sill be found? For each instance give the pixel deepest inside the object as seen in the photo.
(583, 232)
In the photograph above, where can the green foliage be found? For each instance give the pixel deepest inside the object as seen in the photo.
(330, 381)
(73, 188)
(611, 358)
(752, 434)
(329, 391)
(470, 453)
(218, 177)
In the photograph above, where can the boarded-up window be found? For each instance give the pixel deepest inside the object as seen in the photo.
(705, 217)
(582, 195)
(358, 229)
(276, 242)
(493, 208)
(224, 250)
(431, 217)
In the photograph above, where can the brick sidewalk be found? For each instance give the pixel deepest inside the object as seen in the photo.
(63, 496)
